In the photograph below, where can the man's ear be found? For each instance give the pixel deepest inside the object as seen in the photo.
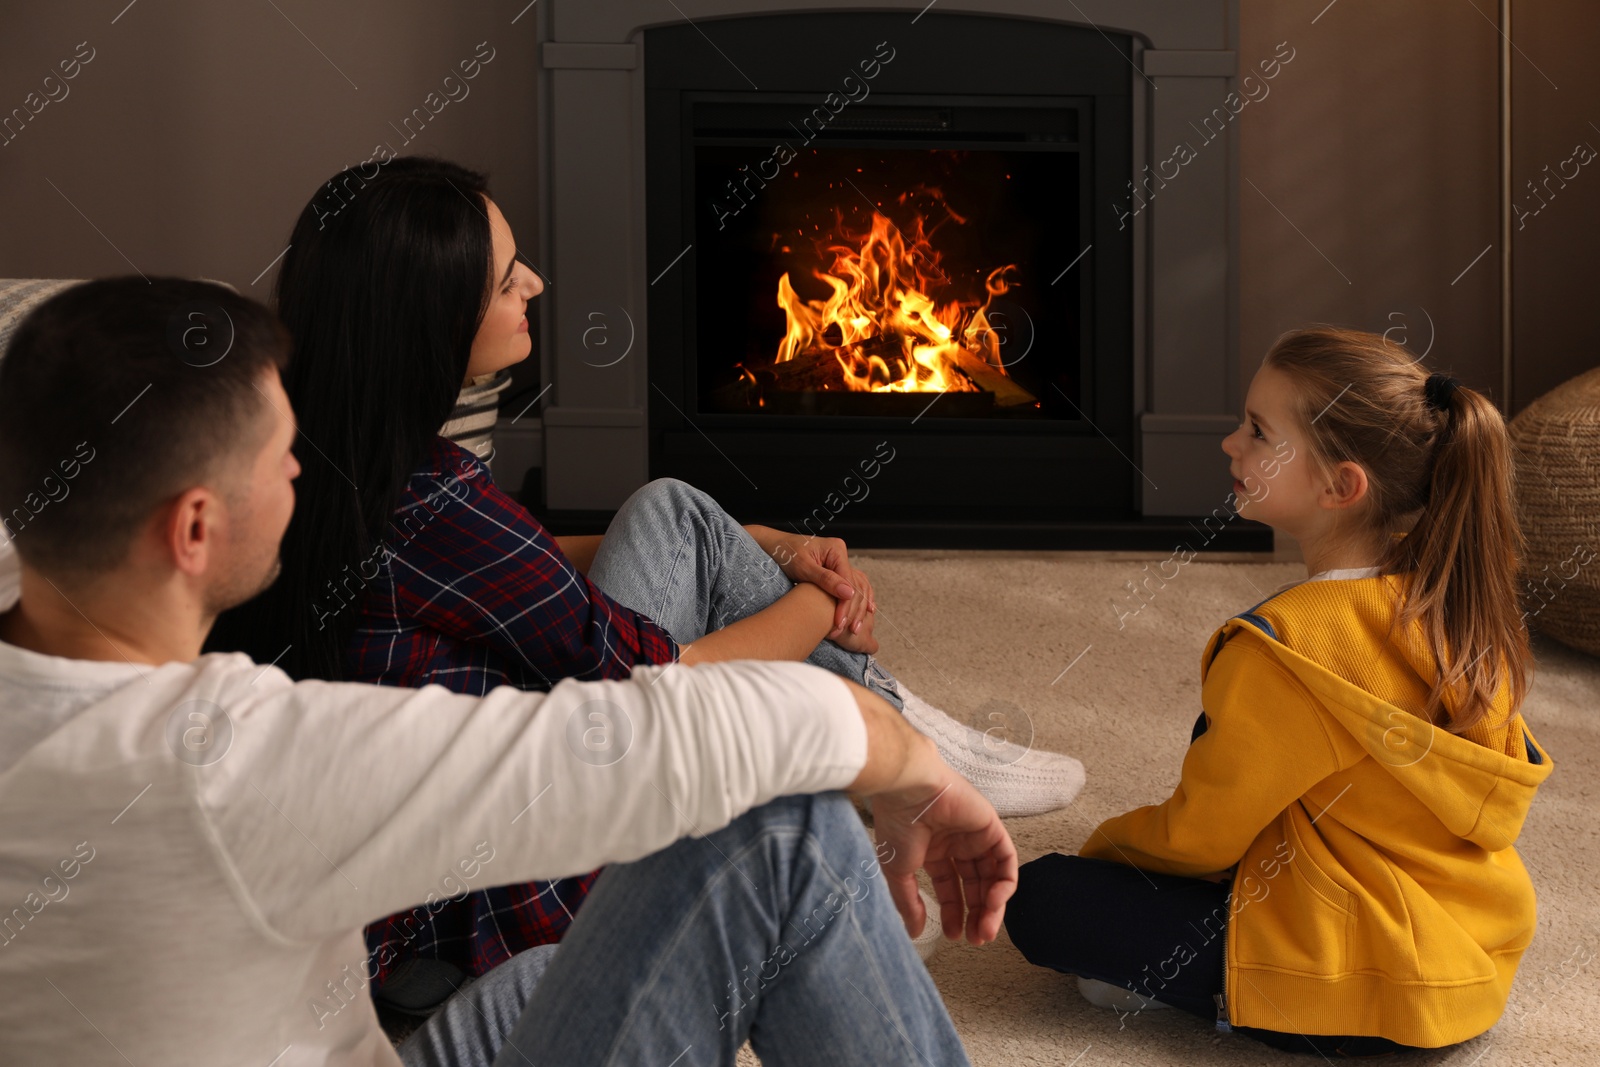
(1347, 487)
(189, 530)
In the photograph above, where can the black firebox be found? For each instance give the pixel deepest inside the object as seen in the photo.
(884, 305)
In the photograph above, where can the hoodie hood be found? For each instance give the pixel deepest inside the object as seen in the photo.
(1478, 793)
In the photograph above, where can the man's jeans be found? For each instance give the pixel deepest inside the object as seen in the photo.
(777, 928)
(674, 555)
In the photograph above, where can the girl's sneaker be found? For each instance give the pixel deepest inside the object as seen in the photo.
(1105, 995)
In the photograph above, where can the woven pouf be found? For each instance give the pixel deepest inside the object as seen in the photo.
(1557, 446)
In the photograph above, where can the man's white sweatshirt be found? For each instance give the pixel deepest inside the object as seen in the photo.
(208, 909)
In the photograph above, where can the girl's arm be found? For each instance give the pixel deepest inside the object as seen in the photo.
(1267, 743)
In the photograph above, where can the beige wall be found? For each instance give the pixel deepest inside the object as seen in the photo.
(198, 130)
(1556, 253)
(1379, 145)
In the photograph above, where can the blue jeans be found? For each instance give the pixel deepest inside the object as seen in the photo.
(777, 928)
(672, 554)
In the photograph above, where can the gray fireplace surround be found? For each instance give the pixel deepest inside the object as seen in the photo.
(592, 235)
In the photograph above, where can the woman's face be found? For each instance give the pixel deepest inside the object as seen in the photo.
(502, 338)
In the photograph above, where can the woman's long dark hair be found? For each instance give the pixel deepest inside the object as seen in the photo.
(383, 288)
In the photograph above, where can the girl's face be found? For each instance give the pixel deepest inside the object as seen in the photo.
(502, 337)
(1274, 480)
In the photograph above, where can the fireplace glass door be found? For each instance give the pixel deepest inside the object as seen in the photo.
(909, 262)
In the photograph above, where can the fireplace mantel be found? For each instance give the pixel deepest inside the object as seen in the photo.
(592, 236)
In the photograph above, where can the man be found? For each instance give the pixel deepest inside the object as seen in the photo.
(189, 847)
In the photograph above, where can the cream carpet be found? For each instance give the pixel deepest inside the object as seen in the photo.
(1035, 640)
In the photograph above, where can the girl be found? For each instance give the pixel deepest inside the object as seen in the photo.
(405, 565)
(1335, 869)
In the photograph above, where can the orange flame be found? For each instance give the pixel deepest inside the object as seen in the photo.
(886, 333)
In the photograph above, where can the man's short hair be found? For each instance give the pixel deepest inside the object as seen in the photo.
(117, 395)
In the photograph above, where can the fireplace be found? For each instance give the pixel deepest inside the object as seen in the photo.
(884, 251)
(903, 274)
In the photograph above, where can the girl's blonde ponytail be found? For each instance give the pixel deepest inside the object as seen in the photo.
(1464, 551)
(1439, 470)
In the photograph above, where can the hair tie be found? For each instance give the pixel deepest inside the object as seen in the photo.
(1438, 390)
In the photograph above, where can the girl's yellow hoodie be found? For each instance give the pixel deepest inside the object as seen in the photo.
(1376, 890)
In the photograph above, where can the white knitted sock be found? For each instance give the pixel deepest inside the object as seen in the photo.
(1016, 780)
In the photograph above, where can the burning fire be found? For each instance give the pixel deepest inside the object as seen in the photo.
(880, 324)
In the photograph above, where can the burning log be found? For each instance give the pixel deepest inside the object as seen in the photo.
(884, 332)
(812, 371)
(822, 370)
(1007, 393)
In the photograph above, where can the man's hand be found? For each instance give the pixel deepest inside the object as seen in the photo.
(929, 816)
(950, 830)
(825, 563)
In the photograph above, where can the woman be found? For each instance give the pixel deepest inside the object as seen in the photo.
(405, 565)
